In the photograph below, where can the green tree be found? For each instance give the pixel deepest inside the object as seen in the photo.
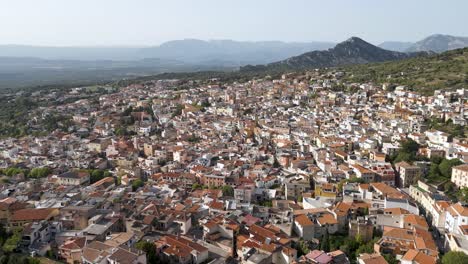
(299, 198)
(276, 163)
(359, 239)
(39, 172)
(366, 211)
(390, 259)
(301, 247)
(434, 171)
(150, 250)
(408, 151)
(12, 171)
(446, 165)
(121, 131)
(3, 235)
(454, 257)
(266, 203)
(227, 190)
(404, 156)
(197, 186)
(12, 242)
(137, 184)
(178, 110)
(95, 176)
(462, 195)
(449, 187)
(409, 146)
(325, 242)
(365, 248)
(118, 180)
(127, 111)
(437, 160)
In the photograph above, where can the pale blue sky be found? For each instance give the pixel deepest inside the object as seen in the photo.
(150, 22)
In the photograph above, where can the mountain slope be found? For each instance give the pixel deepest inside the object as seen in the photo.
(236, 52)
(396, 45)
(422, 74)
(351, 51)
(439, 43)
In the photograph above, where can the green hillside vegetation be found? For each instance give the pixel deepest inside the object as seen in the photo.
(422, 74)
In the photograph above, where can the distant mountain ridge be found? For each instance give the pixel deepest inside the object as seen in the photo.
(238, 52)
(22, 66)
(196, 51)
(399, 46)
(351, 51)
(439, 43)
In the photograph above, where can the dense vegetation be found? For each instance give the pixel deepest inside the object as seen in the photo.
(454, 257)
(150, 250)
(97, 175)
(423, 74)
(440, 169)
(186, 77)
(8, 245)
(454, 130)
(137, 184)
(351, 246)
(39, 172)
(18, 111)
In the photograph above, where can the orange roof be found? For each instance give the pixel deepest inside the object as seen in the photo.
(396, 211)
(256, 229)
(342, 208)
(383, 188)
(425, 240)
(372, 258)
(463, 167)
(361, 169)
(364, 186)
(399, 233)
(410, 255)
(303, 220)
(216, 205)
(443, 204)
(309, 211)
(460, 209)
(418, 257)
(416, 220)
(104, 180)
(74, 243)
(33, 214)
(327, 219)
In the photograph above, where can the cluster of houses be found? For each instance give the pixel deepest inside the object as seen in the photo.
(238, 172)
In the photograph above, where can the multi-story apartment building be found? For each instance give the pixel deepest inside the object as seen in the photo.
(460, 175)
(408, 174)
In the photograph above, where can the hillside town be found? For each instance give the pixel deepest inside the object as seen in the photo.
(304, 168)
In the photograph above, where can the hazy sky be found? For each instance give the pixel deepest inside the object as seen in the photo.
(150, 22)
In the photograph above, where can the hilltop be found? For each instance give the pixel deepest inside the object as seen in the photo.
(351, 51)
(439, 43)
(423, 74)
